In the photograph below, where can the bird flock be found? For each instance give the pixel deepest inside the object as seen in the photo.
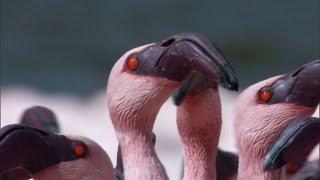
(274, 130)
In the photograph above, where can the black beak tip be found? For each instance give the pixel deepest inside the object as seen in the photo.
(234, 87)
(272, 162)
(231, 84)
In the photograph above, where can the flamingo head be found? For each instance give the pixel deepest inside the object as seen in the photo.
(43, 153)
(265, 109)
(145, 77)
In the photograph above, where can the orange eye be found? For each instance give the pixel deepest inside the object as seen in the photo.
(265, 95)
(79, 150)
(133, 64)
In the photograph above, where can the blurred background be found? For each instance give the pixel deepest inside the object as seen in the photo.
(59, 53)
(69, 46)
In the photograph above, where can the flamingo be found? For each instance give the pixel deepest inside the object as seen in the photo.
(199, 119)
(265, 109)
(45, 155)
(43, 118)
(199, 124)
(142, 80)
(39, 117)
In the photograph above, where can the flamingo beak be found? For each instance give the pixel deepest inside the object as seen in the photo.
(33, 149)
(191, 58)
(300, 87)
(296, 141)
(180, 55)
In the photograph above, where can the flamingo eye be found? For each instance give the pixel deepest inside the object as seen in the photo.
(265, 94)
(79, 150)
(133, 63)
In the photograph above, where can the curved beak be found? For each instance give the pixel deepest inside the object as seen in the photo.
(296, 142)
(177, 56)
(300, 87)
(32, 149)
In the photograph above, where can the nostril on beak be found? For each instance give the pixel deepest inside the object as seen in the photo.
(167, 42)
(297, 72)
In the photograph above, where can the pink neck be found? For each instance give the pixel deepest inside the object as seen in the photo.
(140, 160)
(199, 167)
(199, 124)
(133, 116)
(252, 169)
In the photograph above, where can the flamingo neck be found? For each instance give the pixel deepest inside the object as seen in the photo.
(252, 169)
(133, 116)
(199, 125)
(140, 160)
(200, 168)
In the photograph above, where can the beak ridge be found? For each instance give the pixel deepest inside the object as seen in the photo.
(206, 55)
(179, 55)
(300, 87)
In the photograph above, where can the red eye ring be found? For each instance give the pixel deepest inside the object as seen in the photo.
(133, 63)
(265, 95)
(79, 150)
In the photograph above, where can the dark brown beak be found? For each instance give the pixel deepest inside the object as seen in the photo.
(300, 87)
(32, 149)
(177, 56)
(40, 117)
(295, 143)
